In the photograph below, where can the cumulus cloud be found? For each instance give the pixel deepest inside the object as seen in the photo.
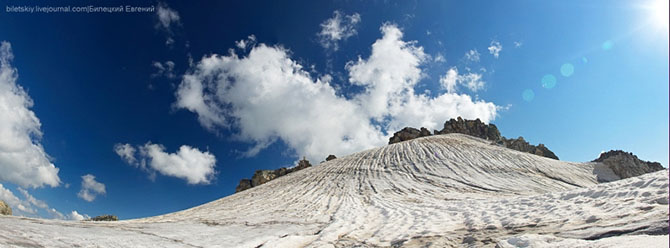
(165, 69)
(472, 56)
(338, 28)
(18, 206)
(167, 19)
(439, 58)
(518, 44)
(126, 152)
(451, 79)
(29, 205)
(266, 96)
(32, 200)
(243, 44)
(23, 160)
(90, 188)
(495, 48)
(74, 215)
(389, 74)
(187, 163)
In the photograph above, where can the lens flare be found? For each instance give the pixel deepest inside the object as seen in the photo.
(607, 45)
(567, 69)
(548, 81)
(528, 95)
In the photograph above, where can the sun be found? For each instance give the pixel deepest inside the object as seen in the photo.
(659, 13)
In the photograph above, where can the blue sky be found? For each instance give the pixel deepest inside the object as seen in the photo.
(316, 78)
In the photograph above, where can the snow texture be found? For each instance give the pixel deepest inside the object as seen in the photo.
(440, 191)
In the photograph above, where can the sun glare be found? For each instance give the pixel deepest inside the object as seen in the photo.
(659, 13)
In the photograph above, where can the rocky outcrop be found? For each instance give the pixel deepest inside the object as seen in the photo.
(408, 133)
(473, 128)
(522, 145)
(264, 176)
(478, 129)
(243, 185)
(626, 164)
(5, 209)
(106, 217)
(330, 157)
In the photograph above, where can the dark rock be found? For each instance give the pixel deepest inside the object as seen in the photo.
(5, 209)
(302, 164)
(473, 128)
(408, 133)
(243, 185)
(330, 157)
(264, 176)
(626, 164)
(522, 145)
(106, 217)
(478, 129)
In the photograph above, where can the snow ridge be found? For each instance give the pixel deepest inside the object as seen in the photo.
(440, 191)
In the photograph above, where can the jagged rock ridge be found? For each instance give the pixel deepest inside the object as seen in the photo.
(520, 144)
(626, 164)
(106, 217)
(264, 176)
(478, 129)
(5, 209)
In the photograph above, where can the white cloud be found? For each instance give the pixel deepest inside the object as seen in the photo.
(74, 215)
(266, 96)
(32, 200)
(18, 206)
(23, 160)
(126, 152)
(26, 207)
(518, 44)
(90, 188)
(452, 79)
(167, 18)
(339, 27)
(243, 44)
(439, 58)
(389, 74)
(472, 56)
(495, 48)
(165, 69)
(187, 163)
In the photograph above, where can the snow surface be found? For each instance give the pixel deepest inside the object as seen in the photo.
(440, 191)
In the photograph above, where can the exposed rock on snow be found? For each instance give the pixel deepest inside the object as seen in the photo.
(474, 128)
(264, 176)
(477, 129)
(625, 164)
(449, 190)
(520, 144)
(408, 133)
(106, 217)
(5, 209)
(330, 157)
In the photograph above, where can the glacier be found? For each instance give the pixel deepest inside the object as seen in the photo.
(450, 190)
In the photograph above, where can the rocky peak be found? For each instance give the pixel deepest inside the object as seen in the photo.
(5, 209)
(478, 129)
(473, 128)
(626, 164)
(408, 133)
(330, 157)
(520, 144)
(106, 217)
(264, 176)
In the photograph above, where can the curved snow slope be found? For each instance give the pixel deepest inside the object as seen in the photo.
(438, 191)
